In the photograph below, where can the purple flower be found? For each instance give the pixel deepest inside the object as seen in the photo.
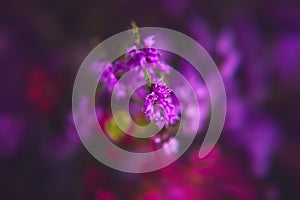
(120, 66)
(152, 55)
(109, 76)
(108, 71)
(136, 57)
(148, 58)
(160, 88)
(158, 105)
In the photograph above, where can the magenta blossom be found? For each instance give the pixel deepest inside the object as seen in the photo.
(158, 105)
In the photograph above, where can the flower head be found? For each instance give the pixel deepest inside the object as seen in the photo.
(109, 76)
(146, 58)
(158, 105)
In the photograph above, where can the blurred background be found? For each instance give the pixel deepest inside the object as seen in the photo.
(42, 45)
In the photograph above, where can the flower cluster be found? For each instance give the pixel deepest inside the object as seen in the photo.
(158, 105)
(109, 76)
(147, 62)
(148, 58)
(142, 58)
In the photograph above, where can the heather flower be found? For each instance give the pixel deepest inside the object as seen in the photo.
(135, 56)
(154, 113)
(109, 77)
(108, 71)
(119, 66)
(158, 104)
(160, 88)
(147, 58)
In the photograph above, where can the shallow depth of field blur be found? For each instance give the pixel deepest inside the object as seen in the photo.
(255, 43)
